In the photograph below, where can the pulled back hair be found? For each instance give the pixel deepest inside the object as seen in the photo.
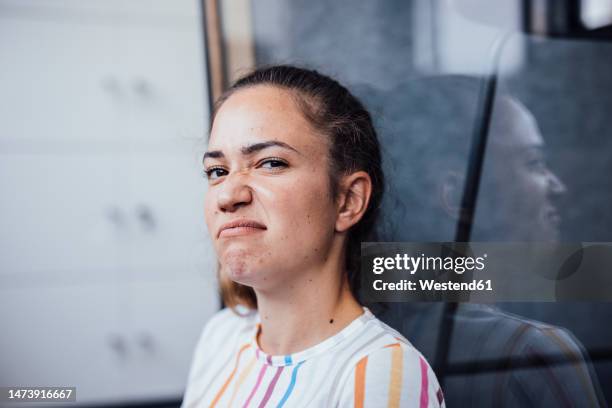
(338, 115)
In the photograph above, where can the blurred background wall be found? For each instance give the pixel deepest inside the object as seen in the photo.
(106, 274)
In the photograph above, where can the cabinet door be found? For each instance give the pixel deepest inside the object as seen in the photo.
(163, 320)
(166, 235)
(62, 336)
(59, 219)
(58, 86)
(163, 70)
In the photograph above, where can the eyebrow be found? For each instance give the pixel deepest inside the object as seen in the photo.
(250, 149)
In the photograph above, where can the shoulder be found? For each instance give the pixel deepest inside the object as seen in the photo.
(383, 340)
(524, 334)
(228, 317)
(389, 368)
(551, 356)
(224, 329)
(227, 323)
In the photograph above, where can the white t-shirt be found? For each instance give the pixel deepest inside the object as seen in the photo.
(366, 364)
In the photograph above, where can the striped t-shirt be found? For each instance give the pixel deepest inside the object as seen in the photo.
(366, 364)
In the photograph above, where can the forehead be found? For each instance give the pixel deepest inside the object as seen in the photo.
(260, 113)
(513, 126)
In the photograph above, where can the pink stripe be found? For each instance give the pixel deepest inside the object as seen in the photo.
(270, 389)
(424, 384)
(262, 372)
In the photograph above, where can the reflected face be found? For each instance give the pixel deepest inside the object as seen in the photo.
(268, 207)
(524, 190)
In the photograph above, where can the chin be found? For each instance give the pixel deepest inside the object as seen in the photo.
(241, 267)
(237, 269)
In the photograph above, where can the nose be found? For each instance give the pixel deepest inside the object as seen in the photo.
(234, 193)
(556, 185)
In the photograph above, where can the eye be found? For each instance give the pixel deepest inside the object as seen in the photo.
(213, 173)
(273, 164)
(537, 164)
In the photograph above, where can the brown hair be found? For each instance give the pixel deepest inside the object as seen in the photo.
(333, 111)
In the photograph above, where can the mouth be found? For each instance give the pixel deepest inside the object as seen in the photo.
(240, 227)
(552, 216)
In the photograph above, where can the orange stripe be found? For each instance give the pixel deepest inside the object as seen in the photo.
(360, 382)
(241, 379)
(229, 379)
(392, 345)
(578, 363)
(397, 369)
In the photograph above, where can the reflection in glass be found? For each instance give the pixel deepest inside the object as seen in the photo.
(494, 358)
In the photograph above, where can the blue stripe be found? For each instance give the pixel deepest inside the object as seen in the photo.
(288, 359)
(291, 385)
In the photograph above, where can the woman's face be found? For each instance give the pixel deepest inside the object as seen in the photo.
(521, 194)
(268, 207)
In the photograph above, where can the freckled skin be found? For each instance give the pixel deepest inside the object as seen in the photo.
(278, 198)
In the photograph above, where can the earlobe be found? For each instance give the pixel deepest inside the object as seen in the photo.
(356, 190)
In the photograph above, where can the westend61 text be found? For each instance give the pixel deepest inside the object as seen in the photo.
(430, 284)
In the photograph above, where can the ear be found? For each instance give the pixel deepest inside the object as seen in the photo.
(354, 196)
(450, 192)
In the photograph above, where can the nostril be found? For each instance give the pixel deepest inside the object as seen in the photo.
(561, 188)
(232, 206)
(234, 193)
(556, 185)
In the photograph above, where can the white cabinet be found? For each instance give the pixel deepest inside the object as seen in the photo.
(158, 310)
(162, 85)
(106, 273)
(62, 336)
(164, 202)
(56, 81)
(59, 218)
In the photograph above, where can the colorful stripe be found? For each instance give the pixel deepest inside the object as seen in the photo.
(291, 385)
(243, 376)
(270, 389)
(506, 369)
(360, 371)
(229, 379)
(557, 388)
(577, 359)
(262, 372)
(334, 389)
(397, 371)
(424, 384)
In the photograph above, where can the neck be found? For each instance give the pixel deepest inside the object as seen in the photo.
(311, 307)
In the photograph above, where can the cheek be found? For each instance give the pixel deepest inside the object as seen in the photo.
(210, 211)
(532, 185)
(305, 208)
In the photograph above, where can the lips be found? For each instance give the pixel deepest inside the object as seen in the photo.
(240, 227)
(552, 216)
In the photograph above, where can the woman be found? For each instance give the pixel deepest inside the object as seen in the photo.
(295, 183)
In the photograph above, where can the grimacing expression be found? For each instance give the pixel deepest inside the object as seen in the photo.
(268, 206)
